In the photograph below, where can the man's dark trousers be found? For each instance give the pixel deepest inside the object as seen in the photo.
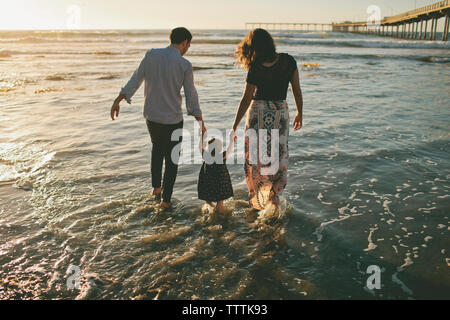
(161, 136)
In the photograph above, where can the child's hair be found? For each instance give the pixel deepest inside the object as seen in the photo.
(215, 145)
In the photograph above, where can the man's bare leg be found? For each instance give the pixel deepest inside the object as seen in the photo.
(157, 191)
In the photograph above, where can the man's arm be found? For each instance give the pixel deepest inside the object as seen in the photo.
(130, 88)
(192, 101)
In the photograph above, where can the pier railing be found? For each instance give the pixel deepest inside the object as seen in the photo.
(419, 11)
(289, 25)
(412, 24)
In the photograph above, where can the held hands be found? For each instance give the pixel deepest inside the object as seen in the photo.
(298, 122)
(233, 136)
(234, 131)
(203, 128)
(200, 119)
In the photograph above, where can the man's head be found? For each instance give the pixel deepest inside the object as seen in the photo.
(181, 39)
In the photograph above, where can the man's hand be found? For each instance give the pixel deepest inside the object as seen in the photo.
(115, 109)
(298, 122)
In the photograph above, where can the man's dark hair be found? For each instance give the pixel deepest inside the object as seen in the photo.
(178, 35)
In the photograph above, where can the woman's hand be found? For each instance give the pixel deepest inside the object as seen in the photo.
(298, 122)
(297, 91)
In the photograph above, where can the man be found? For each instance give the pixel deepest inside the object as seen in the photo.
(165, 71)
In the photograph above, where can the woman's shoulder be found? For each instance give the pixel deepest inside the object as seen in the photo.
(287, 56)
(289, 62)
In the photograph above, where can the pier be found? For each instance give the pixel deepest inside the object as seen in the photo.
(412, 24)
(417, 24)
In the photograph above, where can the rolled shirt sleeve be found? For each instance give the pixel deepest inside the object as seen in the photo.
(135, 81)
(192, 102)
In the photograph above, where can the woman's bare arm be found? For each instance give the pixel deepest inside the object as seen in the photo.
(245, 103)
(297, 91)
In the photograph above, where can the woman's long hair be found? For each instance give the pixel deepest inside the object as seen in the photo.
(257, 47)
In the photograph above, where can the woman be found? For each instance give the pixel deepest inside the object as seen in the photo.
(268, 78)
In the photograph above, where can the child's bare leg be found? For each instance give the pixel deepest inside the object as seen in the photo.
(220, 208)
(242, 203)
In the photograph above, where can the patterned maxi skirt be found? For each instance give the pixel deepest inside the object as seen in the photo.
(266, 151)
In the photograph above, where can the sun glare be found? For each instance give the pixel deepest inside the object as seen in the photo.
(28, 14)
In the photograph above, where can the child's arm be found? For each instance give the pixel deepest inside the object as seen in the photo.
(201, 144)
(230, 146)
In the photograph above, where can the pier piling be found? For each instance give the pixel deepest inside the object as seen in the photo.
(446, 28)
(435, 28)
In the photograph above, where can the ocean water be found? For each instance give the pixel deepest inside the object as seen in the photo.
(368, 174)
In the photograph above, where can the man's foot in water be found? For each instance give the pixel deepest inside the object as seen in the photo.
(165, 205)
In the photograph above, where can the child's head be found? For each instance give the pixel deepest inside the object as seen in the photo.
(214, 145)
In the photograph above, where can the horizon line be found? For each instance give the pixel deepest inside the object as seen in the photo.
(141, 29)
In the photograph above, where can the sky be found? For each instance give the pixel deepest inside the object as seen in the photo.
(194, 14)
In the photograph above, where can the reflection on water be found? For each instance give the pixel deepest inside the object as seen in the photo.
(368, 175)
